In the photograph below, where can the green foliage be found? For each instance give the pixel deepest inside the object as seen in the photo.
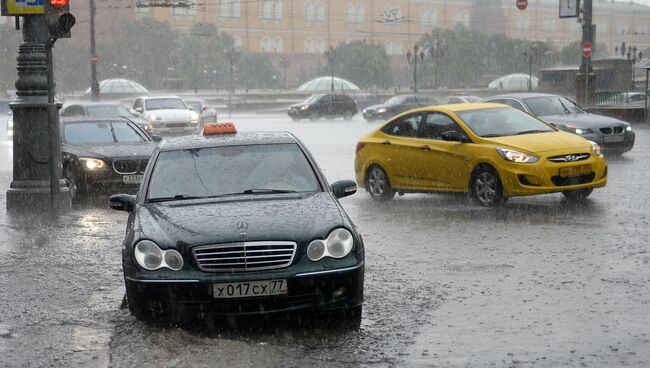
(571, 53)
(363, 63)
(9, 41)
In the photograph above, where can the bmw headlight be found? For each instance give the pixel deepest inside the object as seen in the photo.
(337, 245)
(304, 107)
(577, 130)
(194, 117)
(150, 257)
(153, 118)
(595, 148)
(381, 110)
(516, 156)
(629, 128)
(92, 163)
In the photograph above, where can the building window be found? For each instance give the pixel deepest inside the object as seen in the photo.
(309, 46)
(228, 8)
(313, 46)
(602, 27)
(522, 22)
(354, 13)
(393, 47)
(314, 12)
(184, 9)
(236, 42)
(642, 30)
(278, 44)
(428, 17)
(392, 14)
(141, 7)
(271, 9)
(266, 44)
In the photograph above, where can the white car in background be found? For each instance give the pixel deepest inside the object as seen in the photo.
(10, 124)
(168, 115)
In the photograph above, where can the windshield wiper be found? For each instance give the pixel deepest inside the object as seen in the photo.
(177, 197)
(531, 132)
(267, 191)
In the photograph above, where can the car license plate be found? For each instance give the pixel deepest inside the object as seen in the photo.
(249, 289)
(132, 179)
(614, 138)
(575, 170)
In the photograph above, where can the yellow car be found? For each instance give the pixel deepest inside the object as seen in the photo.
(491, 151)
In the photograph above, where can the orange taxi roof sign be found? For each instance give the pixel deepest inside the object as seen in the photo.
(219, 128)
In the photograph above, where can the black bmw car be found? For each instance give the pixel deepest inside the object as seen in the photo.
(325, 105)
(396, 105)
(101, 155)
(239, 224)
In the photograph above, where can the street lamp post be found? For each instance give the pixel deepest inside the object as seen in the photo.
(284, 64)
(231, 56)
(437, 51)
(631, 53)
(329, 55)
(413, 59)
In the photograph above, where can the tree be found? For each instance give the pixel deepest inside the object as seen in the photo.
(363, 63)
(9, 41)
(571, 53)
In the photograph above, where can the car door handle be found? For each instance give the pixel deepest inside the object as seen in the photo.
(385, 142)
(425, 148)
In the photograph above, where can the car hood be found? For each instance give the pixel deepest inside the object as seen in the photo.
(376, 107)
(170, 114)
(583, 120)
(140, 149)
(543, 142)
(290, 217)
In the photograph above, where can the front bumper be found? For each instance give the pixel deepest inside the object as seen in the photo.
(306, 291)
(613, 142)
(163, 130)
(297, 113)
(374, 115)
(544, 177)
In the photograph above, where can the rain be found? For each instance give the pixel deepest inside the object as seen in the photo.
(291, 183)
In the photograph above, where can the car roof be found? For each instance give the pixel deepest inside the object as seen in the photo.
(86, 119)
(89, 104)
(461, 107)
(156, 97)
(523, 95)
(237, 139)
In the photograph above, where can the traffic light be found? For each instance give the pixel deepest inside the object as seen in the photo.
(58, 18)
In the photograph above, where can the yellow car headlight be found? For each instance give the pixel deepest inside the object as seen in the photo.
(595, 149)
(92, 163)
(516, 156)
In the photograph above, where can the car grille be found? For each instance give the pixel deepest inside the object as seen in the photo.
(562, 181)
(249, 256)
(570, 157)
(129, 167)
(175, 125)
(614, 130)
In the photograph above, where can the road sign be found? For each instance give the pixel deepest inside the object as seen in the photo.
(522, 4)
(569, 8)
(22, 7)
(94, 59)
(586, 49)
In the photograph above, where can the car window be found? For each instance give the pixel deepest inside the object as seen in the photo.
(101, 132)
(502, 122)
(137, 103)
(202, 172)
(514, 103)
(107, 111)
(195, 105)
(312, 99)
(437, 123)
(552, 105)
(496, 100)
(407, 126)
(635, 98)
(164, 103)
(73, 110)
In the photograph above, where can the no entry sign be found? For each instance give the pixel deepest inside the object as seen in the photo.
(94, 58)
(587, 49)
(522, 4)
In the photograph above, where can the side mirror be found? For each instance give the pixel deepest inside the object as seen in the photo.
(122, 202)
(344, 188)
(156, 138)
(451, 136)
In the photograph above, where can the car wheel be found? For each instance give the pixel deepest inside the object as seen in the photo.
(351, 317)
(314, 115)
(370, 120)
(378, 184)
(72, 181)
(577, 195)
(348, 115)
(486, 187)
(295, 118)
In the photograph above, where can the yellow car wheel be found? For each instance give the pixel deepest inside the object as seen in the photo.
(378, 184)
(486, 187)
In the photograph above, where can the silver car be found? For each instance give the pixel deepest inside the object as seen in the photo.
(168, 115)
(613, 135)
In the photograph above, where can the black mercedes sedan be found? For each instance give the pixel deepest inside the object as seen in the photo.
(103, 155)
(612, 135)
(232, 224)
(396, 105)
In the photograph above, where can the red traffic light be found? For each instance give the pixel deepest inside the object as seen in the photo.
(59, 3)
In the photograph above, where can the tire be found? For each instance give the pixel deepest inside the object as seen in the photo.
(351, 317)
(577, 195)
(314, 116)
(378, 184)
(486, 187)
(348, 115)
(73, 182)
(295, 118)
(370, 120)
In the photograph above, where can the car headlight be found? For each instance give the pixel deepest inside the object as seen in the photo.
(147, 127)
(153, 118)
(576, 130)
(595, 148)
(92, 163)
(381, 110)
(516, 156)
(629, 128)
(337, 245)
(304, 107)
(150, 257)
(194, 117)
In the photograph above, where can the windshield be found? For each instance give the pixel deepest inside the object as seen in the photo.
(164, 103)
(102, 132)
(194, 105)
(217, 171)
(107, 111)
(501, 122)
(313, 98)
(552, 105)
(396, 100)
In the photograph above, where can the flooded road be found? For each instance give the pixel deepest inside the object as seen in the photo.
(537, 283)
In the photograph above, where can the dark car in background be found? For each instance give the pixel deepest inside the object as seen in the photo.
(325, 105)
(613, 135)
(102, 155)
(201, 107)
(103, 110)
(268, 237)
(396, 105)
(459, 99)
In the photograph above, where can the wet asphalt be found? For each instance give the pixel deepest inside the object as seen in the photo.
(537, 283)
